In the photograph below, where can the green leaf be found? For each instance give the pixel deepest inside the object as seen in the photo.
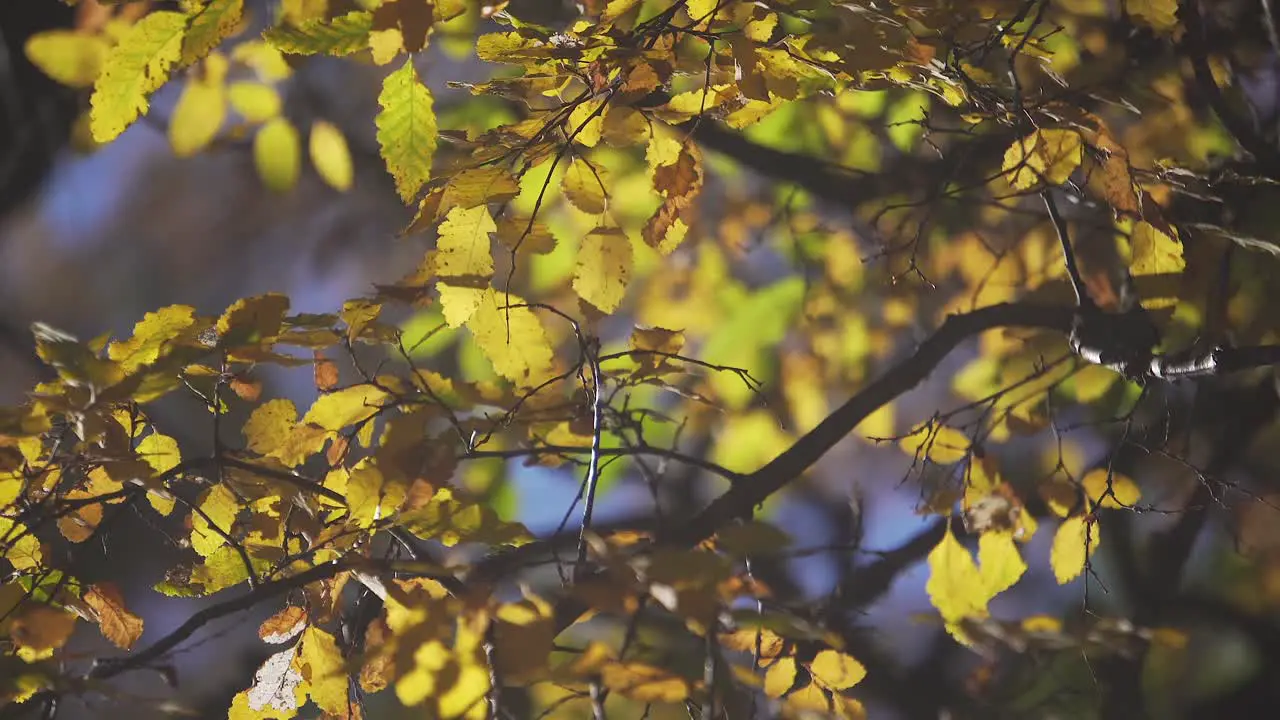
(342, 35)
(406, 129)
(135, 68)
(212, 24)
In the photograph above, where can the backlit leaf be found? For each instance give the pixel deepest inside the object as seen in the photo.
(1046, 155)
(198, 115)
(323, 668)
(1118, 492)
(604, 268)
(219, 505)
(330, 155)
(277, 152)
(342, 35)
(463, 245)
(954, 587)
(999, 561)
(343, 408)
(209, 26)
(513, 339)
(256, 102)
(270, 425)
(70, 57)
(120, 626)
(1068, 555)
(136, 67)
(836, 671)
(941, 444)
(584, 185)
(406, 129)
(1154, 252)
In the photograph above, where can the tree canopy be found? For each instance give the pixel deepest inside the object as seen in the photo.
(724, 252)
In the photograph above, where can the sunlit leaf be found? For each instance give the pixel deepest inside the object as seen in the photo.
(70, 57)
(836, 671)
(120, 626)
(1047, 155)
(342, 35)
(604, 268)
(277, 152)
(406, 129)
(1110, 489)
(1075, 540)
(136, 67)
(330, 155)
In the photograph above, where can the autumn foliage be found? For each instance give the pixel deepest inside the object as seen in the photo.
(705, 247)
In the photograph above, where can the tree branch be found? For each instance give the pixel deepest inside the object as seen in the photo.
(743, 497)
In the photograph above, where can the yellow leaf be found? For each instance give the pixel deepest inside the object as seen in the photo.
(459, 303)
(255, 101)
(780, 676)
(644, 683)
(160, 452)
(152, 336)
(331, 156)
(219, 506)
(513, 339)
(136, 67)
(406, 129)
(253, 319)
(364, 494)
(1154, 252)
(1068, 554)
(584, 186)
(41, 628)
(342, 35)
(587, 120)
(269, 425)
(118, 625)
(342, 408)
(1159, 15)
(209, 26)
(323, 668)
(72, 58)
(197, 117)
(836, 670)
(954, 587)
(1049, 155)
(466, 697)
(944, 445)
(463, 246)
(277, 153)
(999, 562)
(604, 268)
(1121, 492)
(478, 186)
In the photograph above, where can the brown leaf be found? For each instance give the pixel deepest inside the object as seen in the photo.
(284, 625)
(41, 627)
(325, 372)
(118, 625)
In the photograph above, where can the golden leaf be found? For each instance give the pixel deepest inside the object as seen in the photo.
(604, 268)
(277, 153)
(136, 67)
(1068, 555)
(118, 625)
